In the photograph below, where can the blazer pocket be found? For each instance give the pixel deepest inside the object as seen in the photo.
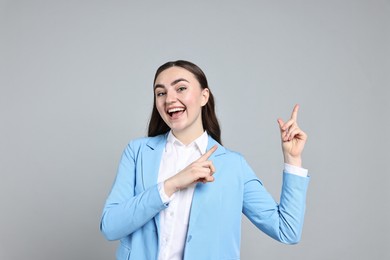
(123, 252)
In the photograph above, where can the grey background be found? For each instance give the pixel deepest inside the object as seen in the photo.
(76, 86)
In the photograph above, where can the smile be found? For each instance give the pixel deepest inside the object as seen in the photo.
(176, 111)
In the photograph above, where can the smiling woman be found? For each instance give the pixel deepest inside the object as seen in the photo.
(195, 78)
(179, 189)
(179, 102)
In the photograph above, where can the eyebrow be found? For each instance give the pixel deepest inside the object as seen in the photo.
(173, 83)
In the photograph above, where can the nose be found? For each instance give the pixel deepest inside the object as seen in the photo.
(171, 97)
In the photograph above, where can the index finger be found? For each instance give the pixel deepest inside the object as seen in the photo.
(207, 154)
(294, 114)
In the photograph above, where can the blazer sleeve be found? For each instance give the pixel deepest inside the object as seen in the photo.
(125, 211)
(283, 221)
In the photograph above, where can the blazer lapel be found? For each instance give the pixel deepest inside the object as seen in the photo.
(200, 194)
(151, 158)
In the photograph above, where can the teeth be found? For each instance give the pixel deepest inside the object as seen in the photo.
(172, 110)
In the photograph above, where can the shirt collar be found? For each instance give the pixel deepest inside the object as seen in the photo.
(200, 142)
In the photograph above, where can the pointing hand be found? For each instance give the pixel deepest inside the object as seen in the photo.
(293, 139)
(201, 170)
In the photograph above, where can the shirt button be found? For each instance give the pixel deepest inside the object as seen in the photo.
(171, 214)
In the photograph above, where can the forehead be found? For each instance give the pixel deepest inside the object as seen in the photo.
(169, 75)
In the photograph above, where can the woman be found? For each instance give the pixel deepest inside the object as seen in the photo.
(179, 193)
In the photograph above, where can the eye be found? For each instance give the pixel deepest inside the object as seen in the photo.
(160, 93)
(181, 88)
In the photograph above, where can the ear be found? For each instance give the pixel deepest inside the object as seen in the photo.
(205, 96)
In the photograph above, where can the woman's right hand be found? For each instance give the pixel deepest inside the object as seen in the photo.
(201, 170)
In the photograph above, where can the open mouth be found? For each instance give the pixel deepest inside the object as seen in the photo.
(175, 112)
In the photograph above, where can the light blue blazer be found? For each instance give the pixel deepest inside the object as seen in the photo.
(131, 212)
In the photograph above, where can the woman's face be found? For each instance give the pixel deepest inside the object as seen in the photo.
(179, 100)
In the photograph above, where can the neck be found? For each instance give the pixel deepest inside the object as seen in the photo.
(187, 138)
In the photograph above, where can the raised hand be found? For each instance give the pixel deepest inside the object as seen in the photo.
(293, 139)
(201, 170)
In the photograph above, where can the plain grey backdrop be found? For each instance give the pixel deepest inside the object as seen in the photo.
(76, 86)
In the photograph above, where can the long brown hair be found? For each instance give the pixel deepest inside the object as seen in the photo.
(210, 123)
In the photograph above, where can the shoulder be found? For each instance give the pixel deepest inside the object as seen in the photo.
(142, 143)
(232, 154)
(233, 164)
(234, 158)
(230, 158)
(226, 154)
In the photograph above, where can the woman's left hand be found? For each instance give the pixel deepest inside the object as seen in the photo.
(293, 139)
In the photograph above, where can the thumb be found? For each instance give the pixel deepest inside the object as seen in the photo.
(281, 123)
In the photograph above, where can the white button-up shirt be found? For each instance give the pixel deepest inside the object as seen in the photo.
(174, 219)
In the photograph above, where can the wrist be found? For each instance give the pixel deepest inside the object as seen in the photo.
(295, 161)
(170, 187)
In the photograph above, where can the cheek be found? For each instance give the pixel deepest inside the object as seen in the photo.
(196, 102)
(160, 108)
(193, 99)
